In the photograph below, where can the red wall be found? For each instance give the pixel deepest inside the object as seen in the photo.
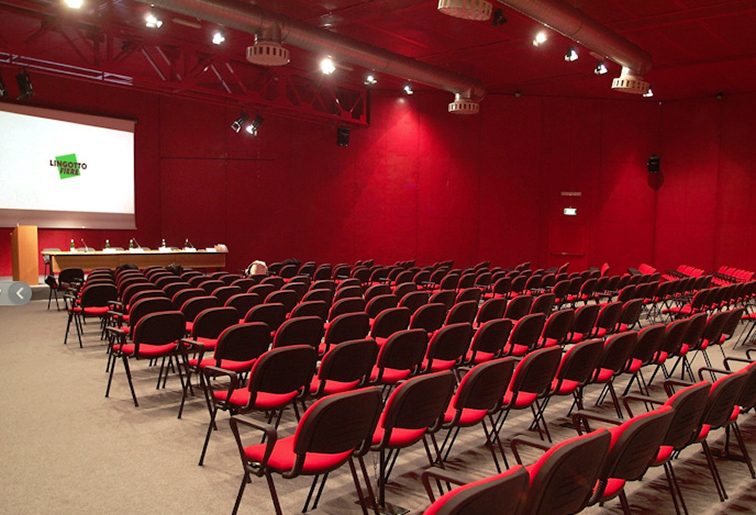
(422, 184)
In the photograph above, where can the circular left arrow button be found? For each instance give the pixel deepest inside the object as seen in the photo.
(19, 293)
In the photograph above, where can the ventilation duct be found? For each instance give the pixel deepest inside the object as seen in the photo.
(255, 20)
(576, 25)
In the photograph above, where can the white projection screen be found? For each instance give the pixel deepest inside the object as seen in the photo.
(61, 169)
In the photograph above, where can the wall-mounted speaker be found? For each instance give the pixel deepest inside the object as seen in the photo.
(654, 163)
(342, 136)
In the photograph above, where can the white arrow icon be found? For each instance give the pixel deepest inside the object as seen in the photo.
(19, 295)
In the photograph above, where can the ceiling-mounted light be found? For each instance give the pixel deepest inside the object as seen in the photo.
(370, 80)
(152, 21)
(254, 125)
(327, 66)
(24, 85)
(648, 94)
(268, 50)
(408, 89)
(600, 68)
(571, 55)
(476, 10)
(218, 37)
(74, 4)
(540, 38)
(463, 105)
(628, 82)
(239, 122)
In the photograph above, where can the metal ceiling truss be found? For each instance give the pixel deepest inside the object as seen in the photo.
(120, 55)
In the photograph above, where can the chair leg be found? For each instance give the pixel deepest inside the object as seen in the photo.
(273, 494)
(246, 479)
(714, 472)
(207, 436)
(674, 488)
(128, 375)
(371, 494)
(743, 449)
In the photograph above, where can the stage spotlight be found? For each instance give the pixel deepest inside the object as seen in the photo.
(327, 66)
(370, 80)
(218, 37)
(571, 55)
(600, 68)
(152, 21)
(74, 4)
(648, 94)
(408, 89)
(24, 85)
(254, 125)
(239, 122)
(540, 38)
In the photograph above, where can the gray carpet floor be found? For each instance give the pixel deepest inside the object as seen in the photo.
(66, 449)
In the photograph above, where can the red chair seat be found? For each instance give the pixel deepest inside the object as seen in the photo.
(399, 437)
(263, 401)
(665, 452)
(439, 365)
(225, 364)
(390, 375)
(92, 310)
(604, 375)
(332, 386)
(480, 357)
(283, 457)
(523, 399)
(566, 387)
(146, 351)
(469, 417)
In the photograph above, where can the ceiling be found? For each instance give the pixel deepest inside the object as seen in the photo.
(699, 48)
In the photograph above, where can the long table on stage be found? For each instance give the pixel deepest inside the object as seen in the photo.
(98, 258)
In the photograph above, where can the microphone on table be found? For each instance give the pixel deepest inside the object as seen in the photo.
(188, 244)
(137, 243)
(86, 247)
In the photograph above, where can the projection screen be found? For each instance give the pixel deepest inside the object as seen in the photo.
(61, 169)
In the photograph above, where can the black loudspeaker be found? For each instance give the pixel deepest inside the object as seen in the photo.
(654, 163)
(342, 136)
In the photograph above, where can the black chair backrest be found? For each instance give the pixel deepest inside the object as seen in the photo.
(299, 331)
(242, 342)
(349, 326)
(404, 350)
(272, 314)
(492, 336)
(283, 371)
(159, 329)
(450, 343)
(350, 361)
(211, 322)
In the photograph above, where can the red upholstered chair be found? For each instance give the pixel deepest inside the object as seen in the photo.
(94, 302)
(518, 307)
(414, 300)
(196, 305)
(288, 298)
(263, 290)
(237, 349)
(388, 322)
(650, 340)
(462, 312)
(156, 335)
(476, 399)
(271, 314)
(319, 293)
(618, 350)
(607, 320)
(490, 310)
(243, 302)
(331, 433)
(278, 379)
(556, 329)
(413, 410)
(380, 303)
(344, 367)
(349, 326)
(543, 303)
(299, 331)
(526, 335)
(447, 347)
(312, 308)
(635, 445)
(400, 357)
(180, 297)
(429, 317)
(489, 341)
(585, 320)
(562, 481)
(689, 405)
(531, 381)
(482, 497)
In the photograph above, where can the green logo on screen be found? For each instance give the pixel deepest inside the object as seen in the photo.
(68, 166)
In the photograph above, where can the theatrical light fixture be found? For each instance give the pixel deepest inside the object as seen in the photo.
(254, 125)
(408, 89)
(74, 4)
(24, 85)
(152, 21)
(218, 37)
(540, 38)
(571, 55)
(600, 68)
(476, 10)
(327, 66)
(267, 50)
(239, 122)
(648, 94)
(629, 82)
(370, 80)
